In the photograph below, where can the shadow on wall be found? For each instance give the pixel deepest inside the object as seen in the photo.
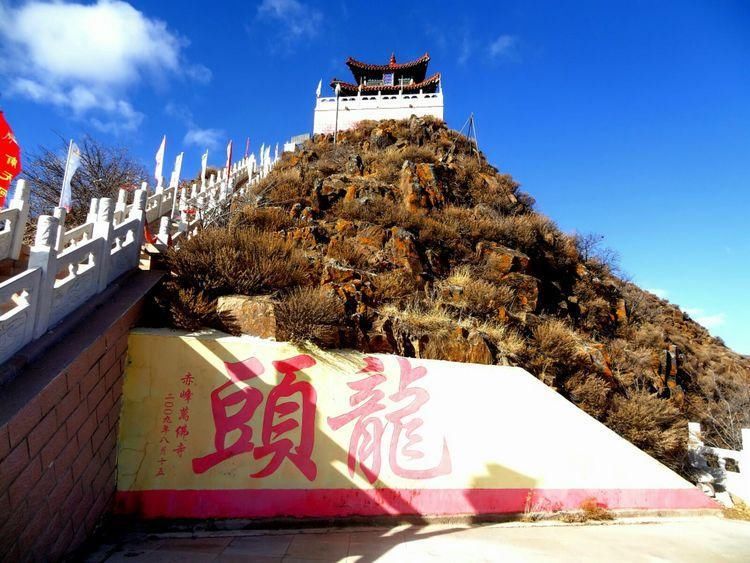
(384, 504)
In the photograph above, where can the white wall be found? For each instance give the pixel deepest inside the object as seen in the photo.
(353, 109)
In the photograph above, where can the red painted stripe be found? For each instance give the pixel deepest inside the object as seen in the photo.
(326, 503)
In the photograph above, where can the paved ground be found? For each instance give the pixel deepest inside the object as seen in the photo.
(704, 539)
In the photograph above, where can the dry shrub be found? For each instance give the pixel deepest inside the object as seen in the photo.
(590, 393)
(556, 351)
(262, 219)
(477, 297)
(377, 210)
(509, 345)
(394, 284)
(348, 253)
(421, 318)
(310, 315)
(225, 261)
(283, 187)
(386, 165)
(649, 336)
(655, 425)
(740, 510)
(187, 308)
(589, 509)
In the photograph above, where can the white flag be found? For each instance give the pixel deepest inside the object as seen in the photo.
(175, 179)
(158, 171)
(319, 89)
(204, 164)
(71, 165)
(262, 155)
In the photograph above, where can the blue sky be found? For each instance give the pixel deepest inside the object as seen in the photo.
(629, 119)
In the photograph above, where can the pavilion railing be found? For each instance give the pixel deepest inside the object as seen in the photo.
(69, 266)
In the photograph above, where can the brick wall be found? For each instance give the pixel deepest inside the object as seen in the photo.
(58, 448)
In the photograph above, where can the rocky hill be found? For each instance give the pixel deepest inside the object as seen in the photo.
(402, 239)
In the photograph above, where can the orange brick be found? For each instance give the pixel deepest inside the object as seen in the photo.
(87, 429)
(25, 482)
(24, 421)
(55, 445)
(96, 395)
(4, 442)
(55, 390)
(41, 433)
(76, 419)
(67, 404)
(62, 489)
(13, 464)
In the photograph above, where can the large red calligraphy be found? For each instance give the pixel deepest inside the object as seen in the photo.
(289, 410)
(365, 442)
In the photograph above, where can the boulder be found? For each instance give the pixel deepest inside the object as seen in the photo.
(526, 288)
(420, 187)
(254, 315)
(501, 259)
(380, 138)
(403, 251)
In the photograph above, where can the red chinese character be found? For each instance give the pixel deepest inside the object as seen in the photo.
(159, 471)
(368, 430)
(163, 440)
(187, 379)
(241, 394)
(180, 449)
(181, 431)
(406, 423)
(165, 429)
(279, 419)
(186, 394)
(184, 414)
(365, 441)
(167, 419)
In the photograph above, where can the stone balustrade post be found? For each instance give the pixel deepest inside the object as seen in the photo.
(163, 236)
(44, 256)
(138, 211)
(103, 231)
(745, 460)
(121, 206)
(60, 213)
(93, 210)
(20, 201)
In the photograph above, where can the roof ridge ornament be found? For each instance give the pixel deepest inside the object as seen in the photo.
(393, 59)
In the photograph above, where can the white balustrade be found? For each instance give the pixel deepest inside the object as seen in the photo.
(735, 482)
(69, 266)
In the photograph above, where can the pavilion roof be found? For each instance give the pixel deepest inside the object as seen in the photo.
(355, 65)
(429, 85)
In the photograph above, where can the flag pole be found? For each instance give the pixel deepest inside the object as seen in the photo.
(336, 126)
(65, 174)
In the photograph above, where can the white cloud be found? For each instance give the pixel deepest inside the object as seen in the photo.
(298, 19)
(709, 321)
(84, 57)
(660, 293)
(504, 46)
(203, 138)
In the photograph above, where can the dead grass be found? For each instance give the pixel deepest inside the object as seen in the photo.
(655, 425)
(557, 352)
(589, 509)
(310, 315)
(272, 219)
(740, 510)
(245, 262)
(475, 296)
(394, 284)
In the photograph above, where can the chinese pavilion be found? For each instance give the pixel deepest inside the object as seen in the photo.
(380, 91)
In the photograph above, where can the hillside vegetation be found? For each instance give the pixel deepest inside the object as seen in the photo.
(402, 239)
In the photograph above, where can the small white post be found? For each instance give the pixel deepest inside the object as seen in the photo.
(93, 210)
(163, 236)
(44, 257)
(20, 201)
(60, 213)
(121, 206)
(103, 230)
(745, 461)
(138, 211)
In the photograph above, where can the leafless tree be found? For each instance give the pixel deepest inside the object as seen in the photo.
(103, 171)
(592, 249)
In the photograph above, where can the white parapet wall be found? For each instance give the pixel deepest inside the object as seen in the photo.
(215, 426)
(353, 109)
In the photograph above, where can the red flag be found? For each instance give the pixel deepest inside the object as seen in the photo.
(10, 158)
